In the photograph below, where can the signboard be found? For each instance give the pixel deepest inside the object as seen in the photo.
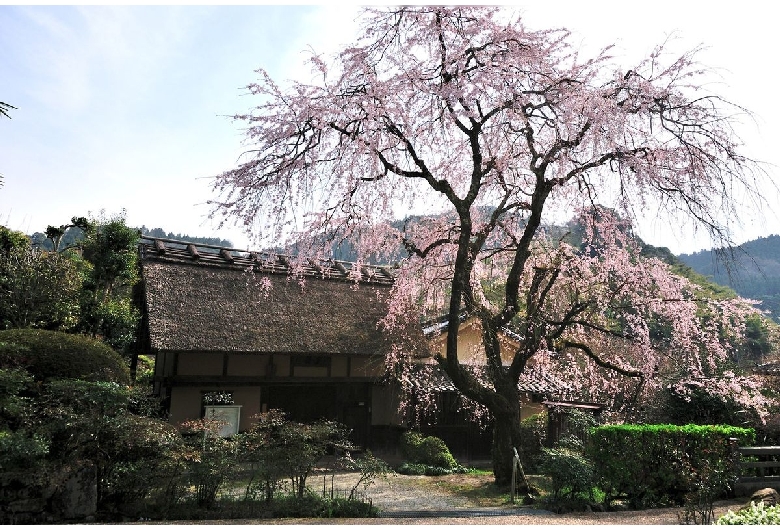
(227, 415)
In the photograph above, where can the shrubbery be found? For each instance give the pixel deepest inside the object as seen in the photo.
(287, 450)
(308, 506)
(426, 455)
(53, 354)
(566, 464)
(534, 435)
(754, 514)
(570, 472)
(58, 431)
(653, 465)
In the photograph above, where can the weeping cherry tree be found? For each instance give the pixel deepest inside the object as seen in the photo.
(490, 128)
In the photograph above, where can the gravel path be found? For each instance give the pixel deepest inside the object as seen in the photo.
(410, 500)
(418, 500)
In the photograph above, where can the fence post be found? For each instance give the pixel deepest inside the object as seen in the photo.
(515, 467)
(514, 478)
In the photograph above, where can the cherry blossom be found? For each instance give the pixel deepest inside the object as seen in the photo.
(488, 128)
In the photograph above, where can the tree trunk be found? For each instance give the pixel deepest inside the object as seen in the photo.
(506, 436)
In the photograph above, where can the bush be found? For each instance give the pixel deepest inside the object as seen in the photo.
(411, 469)
(367, 465)
(53, 354)
(285, 506)
(409, 445)
(436, 453)
(533, 435)
(281, 448)
(652, 464)
(755, 514)
(20, 450)
(571, 473)
(52, 431)
(349, 508)
(429, 450)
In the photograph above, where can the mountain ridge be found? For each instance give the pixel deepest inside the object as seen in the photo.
(752, 270)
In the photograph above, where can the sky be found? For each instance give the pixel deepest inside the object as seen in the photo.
(128, 109)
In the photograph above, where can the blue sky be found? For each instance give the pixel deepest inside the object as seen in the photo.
(127, 107)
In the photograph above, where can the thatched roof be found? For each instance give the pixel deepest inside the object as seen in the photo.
(202, 298)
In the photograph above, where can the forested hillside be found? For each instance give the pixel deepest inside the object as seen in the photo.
(159, 232)
(754, 272)
(74, 235)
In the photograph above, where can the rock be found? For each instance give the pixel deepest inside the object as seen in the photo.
(77, 498)
(768, 496)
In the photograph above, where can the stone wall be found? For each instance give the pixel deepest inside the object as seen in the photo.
(48, 497)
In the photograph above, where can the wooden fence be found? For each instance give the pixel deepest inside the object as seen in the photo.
(759, 468)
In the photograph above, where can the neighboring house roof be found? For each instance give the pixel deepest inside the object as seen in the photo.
(532, 381)
(204, 298)
(442, 324)
(772, 368)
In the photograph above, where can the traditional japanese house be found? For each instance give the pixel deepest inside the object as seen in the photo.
(238, 331)
(235, 334)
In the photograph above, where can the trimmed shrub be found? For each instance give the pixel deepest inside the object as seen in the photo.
(435, 453)
(53, 354)
(427, 450)
(653, 465)
(409, 445)
(571, 473)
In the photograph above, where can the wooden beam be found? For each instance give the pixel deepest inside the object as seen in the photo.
(340, 266)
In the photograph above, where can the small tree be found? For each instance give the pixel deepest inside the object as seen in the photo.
(110, 253)
(211, 458)
(284, 448)
(38, 289)
(367, 466)
(11, 240)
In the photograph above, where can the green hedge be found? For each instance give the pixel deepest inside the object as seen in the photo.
(53, 354)
(655, 465)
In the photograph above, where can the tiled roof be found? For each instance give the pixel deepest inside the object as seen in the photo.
(170, 250)
(768, 368)
(533, 381)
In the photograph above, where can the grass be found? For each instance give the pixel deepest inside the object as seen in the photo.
(478, 486)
